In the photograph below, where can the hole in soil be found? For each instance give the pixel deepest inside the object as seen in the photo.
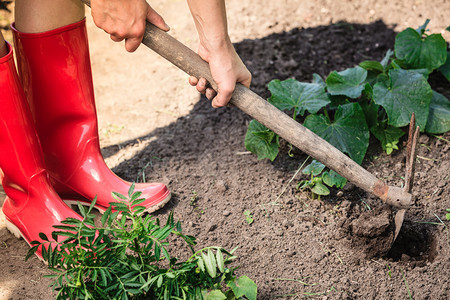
(415, 242)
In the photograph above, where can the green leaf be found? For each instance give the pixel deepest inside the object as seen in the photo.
(445, 68)
(157, 251)
(31, 252)
(370, 111)
(418, 53)
(439, 117)
(131, 190)
(106, 215)
(210, 266)
(261, 141)
(214, 295)
(42, 236)
(332, 178)
(82, 209)
(160, 281)
(386, 134)
(248, 217)
(349, 82)
(318, 79)
(244, 287)
(301, 96)
(314, 168)
(348, 133)
(118, 196)
(220, 262)
(402, 94)
(371, 65)
(320, 189)
(200, 264)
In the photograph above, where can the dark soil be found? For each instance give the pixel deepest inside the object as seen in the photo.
(339, 247)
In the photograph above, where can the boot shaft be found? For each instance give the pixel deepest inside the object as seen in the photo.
(55, 70)
(20, 150)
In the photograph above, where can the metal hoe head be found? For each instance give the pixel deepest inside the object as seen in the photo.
(409, 176)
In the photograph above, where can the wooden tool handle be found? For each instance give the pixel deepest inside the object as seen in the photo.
(274, 119)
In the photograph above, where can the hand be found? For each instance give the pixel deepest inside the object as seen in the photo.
(227, 69)
(125, 19)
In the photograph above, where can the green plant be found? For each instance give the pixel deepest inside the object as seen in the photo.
(447, 215)
(320, 179)
(193, 199)
(248, 217)
(375, 98)
(127, 257)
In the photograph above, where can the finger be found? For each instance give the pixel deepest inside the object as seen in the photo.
(116, 38)
(210, 93)
(132, 44)
(201, 85)
(193, 80)
(247, 82)
(223, 95)
(154, 18)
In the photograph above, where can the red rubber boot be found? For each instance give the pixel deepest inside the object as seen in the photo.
(31, 206)
(55, 70)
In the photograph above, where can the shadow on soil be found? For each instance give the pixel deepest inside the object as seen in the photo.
(208, 140)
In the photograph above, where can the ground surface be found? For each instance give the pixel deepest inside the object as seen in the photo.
(155, 126)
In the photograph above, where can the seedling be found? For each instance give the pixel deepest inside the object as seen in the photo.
(319, 179)
(388, 267)
(447, 215)
(127, 257)
(193, 199)
(248, 217)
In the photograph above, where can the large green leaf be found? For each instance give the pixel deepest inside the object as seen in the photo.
(261, 141)
(445, 68)
(420, 53)
(439, 117)
(403, 93)
(290, 93)
(349, 82)
(244, 287)
(348, 132)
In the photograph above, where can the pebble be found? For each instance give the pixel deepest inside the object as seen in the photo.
(226, 213)
(212, 228)
(221, 186)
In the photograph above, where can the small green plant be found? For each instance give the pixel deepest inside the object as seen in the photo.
(193, 199)
(127, 257)
(248, 217)
(320, 179)
(388, 267)
(376, 97)
(447, 215)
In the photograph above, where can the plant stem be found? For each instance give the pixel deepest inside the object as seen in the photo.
(325, 112)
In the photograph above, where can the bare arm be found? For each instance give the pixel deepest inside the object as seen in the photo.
(216, 48)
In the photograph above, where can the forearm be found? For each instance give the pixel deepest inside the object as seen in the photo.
(211, 22)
